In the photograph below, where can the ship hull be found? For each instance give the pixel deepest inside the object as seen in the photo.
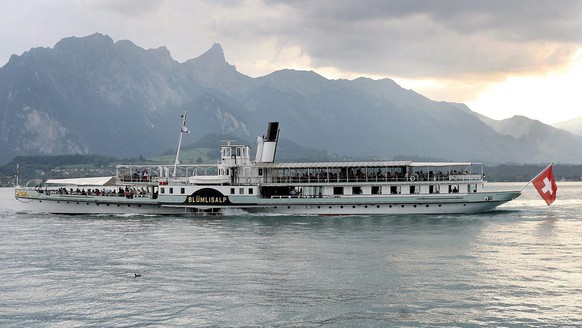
(455, 204)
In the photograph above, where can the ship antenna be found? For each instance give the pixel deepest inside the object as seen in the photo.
(183, 129)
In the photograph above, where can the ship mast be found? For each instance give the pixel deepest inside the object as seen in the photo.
(183, 129)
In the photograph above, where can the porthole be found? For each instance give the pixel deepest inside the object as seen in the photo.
(402, 206)
(288, 207)
(353, 206)
(414, 205)
(377, 206)
(426, 205)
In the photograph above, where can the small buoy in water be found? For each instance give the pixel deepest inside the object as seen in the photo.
(137, 275)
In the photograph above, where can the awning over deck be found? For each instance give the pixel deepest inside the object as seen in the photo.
(331, 165)
(360, 164)
(96, 181)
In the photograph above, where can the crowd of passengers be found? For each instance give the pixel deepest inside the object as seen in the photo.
(121, 192)
(358, 175)
(137, 176)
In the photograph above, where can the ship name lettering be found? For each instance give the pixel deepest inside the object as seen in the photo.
(207, 200)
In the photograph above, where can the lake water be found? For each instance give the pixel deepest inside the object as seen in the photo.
(518, 266)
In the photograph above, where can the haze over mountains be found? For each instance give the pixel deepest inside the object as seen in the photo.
(91, 95)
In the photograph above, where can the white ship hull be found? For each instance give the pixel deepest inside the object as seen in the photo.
(458, 204)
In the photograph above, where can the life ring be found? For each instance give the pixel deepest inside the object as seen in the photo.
(412, 178)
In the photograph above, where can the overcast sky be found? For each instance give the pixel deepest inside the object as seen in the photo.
(502, 58)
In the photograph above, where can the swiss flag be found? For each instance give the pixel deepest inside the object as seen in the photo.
(546, 185)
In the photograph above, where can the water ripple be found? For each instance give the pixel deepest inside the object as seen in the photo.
(519, 266)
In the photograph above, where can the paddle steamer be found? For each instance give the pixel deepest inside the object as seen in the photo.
(239, 183)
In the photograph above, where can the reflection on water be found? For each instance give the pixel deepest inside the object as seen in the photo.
(517, 266)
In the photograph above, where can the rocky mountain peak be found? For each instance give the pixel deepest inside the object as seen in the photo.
(93, 41)
(214, 55)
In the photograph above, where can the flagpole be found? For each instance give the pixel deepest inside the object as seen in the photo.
(542, 171)
(17, 174)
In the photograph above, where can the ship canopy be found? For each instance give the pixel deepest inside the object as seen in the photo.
(96, 181)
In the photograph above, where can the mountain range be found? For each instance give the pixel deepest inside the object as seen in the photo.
(91, 95)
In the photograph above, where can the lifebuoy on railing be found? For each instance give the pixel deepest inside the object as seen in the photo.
(412, 178)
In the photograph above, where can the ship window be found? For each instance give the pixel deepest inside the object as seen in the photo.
(162, 190)
(338, 190)
(241, 191)
(356, 190)
(376, 190)
(182, 191)
(232, 191)
(250, 191)
(413, 189)
(171, 190)
(394, 190)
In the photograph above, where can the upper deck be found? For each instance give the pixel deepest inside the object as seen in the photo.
(369, 172)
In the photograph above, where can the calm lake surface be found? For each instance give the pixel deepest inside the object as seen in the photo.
(518, 266)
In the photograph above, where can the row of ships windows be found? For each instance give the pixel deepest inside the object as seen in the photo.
(375, 190)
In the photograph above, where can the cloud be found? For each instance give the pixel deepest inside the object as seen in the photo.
(413, 39)
(124, 7)
(427, 39)
(445, 49)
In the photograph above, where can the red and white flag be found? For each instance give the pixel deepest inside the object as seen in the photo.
(546, 185)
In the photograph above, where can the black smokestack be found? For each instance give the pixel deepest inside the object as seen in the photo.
(272, 131)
